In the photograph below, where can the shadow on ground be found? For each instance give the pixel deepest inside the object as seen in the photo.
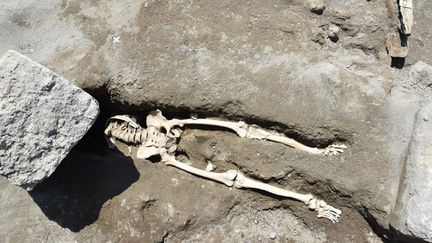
(75, 193)
(88, 177)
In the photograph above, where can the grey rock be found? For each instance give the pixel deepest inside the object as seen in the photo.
(42, 116)
(317, 6)
(33, 225)
(422, 72)
(420, 78)
(412, 215)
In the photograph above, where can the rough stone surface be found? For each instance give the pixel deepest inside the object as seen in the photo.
(42, 116)
(412, 215)
(420, 78)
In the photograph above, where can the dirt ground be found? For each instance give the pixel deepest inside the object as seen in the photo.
(271, 63)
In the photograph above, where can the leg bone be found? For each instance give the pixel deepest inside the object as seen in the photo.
(253, 131)
(226, 178)
(238, 180)
(242, 129)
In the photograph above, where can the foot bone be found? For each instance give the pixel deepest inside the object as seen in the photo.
(333, 149)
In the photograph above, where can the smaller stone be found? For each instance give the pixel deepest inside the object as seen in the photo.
(317, 6)
(395, 47)
(272, 235)
(333, 32)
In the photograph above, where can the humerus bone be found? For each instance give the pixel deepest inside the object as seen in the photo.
(237, 179)
(243, 130)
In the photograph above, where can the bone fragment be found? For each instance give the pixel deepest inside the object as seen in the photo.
(210, 166)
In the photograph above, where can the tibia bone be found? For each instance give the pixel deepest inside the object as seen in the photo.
(241, 181)
(322, 208)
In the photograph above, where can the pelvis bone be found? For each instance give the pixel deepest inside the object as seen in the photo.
(161, 137)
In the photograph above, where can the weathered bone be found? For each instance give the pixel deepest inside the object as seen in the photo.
(243, 130)
(151, 140)
(156, 143)
(210, 166)
(126, 129)
(226, 178)
(237, 179)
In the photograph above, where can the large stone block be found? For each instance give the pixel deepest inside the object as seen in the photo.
(42, 116)
(413, 215)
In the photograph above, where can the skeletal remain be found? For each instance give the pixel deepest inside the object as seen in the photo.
(161, 137)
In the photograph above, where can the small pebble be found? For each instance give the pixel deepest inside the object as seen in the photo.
(317, 6)
(333, 32)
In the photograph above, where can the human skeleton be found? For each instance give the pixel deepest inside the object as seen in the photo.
(161, 137)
